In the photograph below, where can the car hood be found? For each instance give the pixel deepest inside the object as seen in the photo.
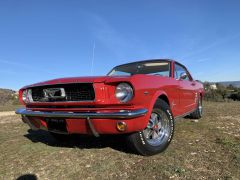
(90, 79)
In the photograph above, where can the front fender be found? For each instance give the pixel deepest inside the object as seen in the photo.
(151, 105)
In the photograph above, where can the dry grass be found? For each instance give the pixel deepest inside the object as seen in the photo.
(208, 149)
(8, 97)
(9, 107)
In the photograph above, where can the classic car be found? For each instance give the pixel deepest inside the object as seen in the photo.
(139, 99)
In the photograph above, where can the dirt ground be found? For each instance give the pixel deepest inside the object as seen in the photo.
(204, 149)
(6, 113)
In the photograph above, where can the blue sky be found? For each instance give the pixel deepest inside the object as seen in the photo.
(41, 40)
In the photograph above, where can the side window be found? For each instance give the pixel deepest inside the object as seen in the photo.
(178, 70)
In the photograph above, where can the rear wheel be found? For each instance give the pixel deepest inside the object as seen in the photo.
(197, 114)
(158, 134)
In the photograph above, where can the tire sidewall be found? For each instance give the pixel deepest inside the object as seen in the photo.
(198, 114)
(150, 149)
(200, 103)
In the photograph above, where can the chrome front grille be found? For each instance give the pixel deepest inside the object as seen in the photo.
(63, 92)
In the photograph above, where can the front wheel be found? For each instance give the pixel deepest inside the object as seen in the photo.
(158, 134)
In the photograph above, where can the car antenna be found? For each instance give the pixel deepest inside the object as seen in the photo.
(93, 56)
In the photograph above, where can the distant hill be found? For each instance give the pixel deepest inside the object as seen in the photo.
(234, 83)
(8, 97)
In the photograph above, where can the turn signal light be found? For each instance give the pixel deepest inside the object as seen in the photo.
(121, 126)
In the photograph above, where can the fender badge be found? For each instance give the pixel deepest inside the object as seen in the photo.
(146, 92)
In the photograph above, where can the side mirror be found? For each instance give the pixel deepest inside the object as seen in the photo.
(183, 76)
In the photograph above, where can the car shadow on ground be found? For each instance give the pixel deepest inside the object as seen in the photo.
(116, 142)
(27, 177)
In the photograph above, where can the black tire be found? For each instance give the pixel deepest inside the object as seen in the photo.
(143, 145)
(197, 114)
(60, 137)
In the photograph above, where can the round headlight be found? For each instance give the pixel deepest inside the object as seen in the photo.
(27, 96)
(124, 92)
(24, 96)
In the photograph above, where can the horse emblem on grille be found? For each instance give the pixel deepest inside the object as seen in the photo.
(54, 93)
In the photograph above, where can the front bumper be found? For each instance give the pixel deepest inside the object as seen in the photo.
(123, 114)
(80, 122)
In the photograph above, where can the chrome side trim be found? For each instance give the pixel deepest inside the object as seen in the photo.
(185, 114)
(123, 114)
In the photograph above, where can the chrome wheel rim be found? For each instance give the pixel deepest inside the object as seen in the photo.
(158, 129)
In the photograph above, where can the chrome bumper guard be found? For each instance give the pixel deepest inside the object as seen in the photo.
(123, 114)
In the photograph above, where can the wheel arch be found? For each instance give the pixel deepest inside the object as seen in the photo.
(201, 95)
(158, 95)
(164, 98)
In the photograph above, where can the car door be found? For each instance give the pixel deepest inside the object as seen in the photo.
(186, 88)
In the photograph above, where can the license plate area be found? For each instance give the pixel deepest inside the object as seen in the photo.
(56, 124)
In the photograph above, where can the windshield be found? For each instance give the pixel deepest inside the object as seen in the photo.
(161, 68)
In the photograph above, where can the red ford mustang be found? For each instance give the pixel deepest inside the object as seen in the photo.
(139, 99)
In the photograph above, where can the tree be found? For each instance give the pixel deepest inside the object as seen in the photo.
(222, 90)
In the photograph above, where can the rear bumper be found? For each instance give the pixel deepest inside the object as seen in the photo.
(123, 114)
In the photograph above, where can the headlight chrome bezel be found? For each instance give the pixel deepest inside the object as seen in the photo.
(124, 92)
(24, 96)
(27, 96)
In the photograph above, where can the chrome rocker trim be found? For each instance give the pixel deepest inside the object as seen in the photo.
(123, 114)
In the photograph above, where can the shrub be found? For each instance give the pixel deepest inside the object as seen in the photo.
(222, 93)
